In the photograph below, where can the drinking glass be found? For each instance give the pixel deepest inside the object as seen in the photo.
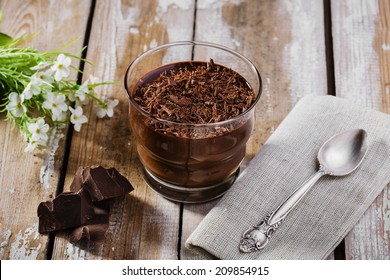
(202, 162)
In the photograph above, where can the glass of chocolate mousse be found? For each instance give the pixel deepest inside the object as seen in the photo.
(191, 113)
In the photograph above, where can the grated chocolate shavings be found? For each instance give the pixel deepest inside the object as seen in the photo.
(194, 93)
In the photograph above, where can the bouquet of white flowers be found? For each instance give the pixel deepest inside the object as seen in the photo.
(37, 94)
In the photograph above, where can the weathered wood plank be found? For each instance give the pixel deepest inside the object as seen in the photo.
(143, 225)
(362, 69)
(27, 179)
(277, 47)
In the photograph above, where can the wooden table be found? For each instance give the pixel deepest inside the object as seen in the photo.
(322, 47)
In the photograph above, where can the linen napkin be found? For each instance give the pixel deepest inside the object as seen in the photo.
(331, 208)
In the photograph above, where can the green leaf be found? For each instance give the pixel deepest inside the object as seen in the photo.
(5, 39)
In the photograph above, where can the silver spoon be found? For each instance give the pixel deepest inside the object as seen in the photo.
(338, 156)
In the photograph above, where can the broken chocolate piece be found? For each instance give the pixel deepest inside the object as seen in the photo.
(86, 208)
(67, 210)
(104, 183)
(103, 205)
(95, 231)
(78, 180)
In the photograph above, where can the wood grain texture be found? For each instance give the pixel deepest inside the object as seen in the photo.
(143, 225)
(361, 36)
(27, 179)
(274, 35)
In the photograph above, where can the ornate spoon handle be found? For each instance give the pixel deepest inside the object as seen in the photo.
(257, 237)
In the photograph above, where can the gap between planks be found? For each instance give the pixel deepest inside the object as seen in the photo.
(69, 132)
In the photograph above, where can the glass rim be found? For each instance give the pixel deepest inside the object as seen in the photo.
(193, 43)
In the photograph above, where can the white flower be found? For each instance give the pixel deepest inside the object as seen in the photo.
(38, 137)
(33, 87)
(46, 77)
(77, 117)
(56, 103)
(93, 80)
(107, 108)
(15, 106)
(33, 144)
(60, 117)
(38, 131)
(61, 67)
(41, 66)
(81, 93)
(71, 96)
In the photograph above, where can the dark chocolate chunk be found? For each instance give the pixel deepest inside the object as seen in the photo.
(104, 183)
(94, 231)
(103, 205)
(86, 208)
(67, 210)
(78, 180)
(97, 227)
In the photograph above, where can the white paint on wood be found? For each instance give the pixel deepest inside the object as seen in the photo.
(386, 218)
(73, 252)
(268, 100)
(356, 62)
(165, 5)
(47, 169)
(387, 89)
(5, 241)
(11, 190)
(386, 47)
(153, 44)
(170, 13)
(134, 30)
(23, 245)
(304, 31)
(218, 31)
(206, 4)
(4, 244)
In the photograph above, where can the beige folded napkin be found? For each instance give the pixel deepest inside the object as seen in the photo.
(331, 208)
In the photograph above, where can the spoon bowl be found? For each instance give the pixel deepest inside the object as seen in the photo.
(343, 153)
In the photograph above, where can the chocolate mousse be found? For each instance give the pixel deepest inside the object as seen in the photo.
(190, 123)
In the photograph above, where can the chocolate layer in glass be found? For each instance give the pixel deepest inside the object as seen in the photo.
(191, 146)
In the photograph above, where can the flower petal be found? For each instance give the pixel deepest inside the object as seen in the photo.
(101, 113)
